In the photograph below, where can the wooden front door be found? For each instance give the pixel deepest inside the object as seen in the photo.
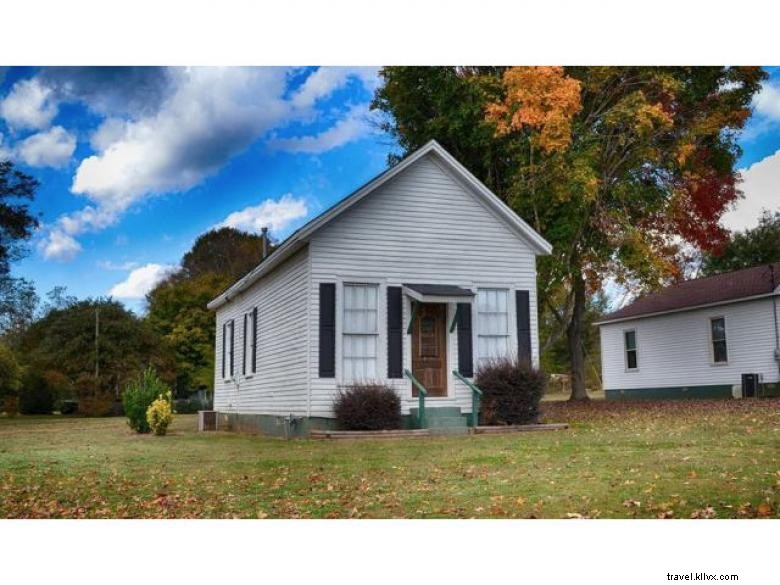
(429, 348)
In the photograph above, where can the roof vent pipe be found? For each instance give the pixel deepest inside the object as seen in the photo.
(264, 236)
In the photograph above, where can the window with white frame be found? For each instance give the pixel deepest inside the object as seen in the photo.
(493, 324)
(720, 353)
(629, 342)
(359, 347)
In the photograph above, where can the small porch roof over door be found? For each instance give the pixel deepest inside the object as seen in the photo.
(438, 293)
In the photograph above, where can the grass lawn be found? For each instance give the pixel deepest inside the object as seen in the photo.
(651, 459)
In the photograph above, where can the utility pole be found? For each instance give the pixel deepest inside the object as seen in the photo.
(97, 343)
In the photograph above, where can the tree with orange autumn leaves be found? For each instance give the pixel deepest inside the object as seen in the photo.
(619, 168)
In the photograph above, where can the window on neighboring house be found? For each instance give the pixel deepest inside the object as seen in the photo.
(629, 339)
(360, 333)
(493, 324)
(720, 353)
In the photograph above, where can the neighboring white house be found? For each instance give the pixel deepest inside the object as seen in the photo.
(695, 339)
(422, 271)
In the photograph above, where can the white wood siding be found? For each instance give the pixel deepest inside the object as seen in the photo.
(423, 226)
(676, 350)
(280, 385)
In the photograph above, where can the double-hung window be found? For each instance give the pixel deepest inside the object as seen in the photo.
(228, 338)
(493, 324)
(720, 353)
(359, 347)
(629, 342)
(253, 343)
(244, 344)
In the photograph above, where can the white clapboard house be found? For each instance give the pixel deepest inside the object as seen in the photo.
(697, 339)
(411, 281)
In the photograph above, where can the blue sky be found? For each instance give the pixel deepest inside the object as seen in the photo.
(135, 163)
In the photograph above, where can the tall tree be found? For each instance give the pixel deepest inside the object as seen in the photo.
(64, 341)
(16, 222)
(751, 247)
(226, 251)
(177, 305)
(642, 158)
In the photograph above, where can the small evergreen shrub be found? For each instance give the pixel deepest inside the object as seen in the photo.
(511, 392)
(139, 396)
(159, 415)
(367, 407)
(36, 396)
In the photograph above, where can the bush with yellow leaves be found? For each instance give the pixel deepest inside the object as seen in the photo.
(159, 414)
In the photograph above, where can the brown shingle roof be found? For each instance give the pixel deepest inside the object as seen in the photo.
(729, 286)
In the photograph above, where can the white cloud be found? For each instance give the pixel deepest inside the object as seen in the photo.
(5, 152)
(59, 246)
(110, 131)
(29, 105)
(119, 266)
(196, 120)
(767, 101)
(761, 186)
(275, 215)
(211, 115)
(140, 281)
(325, 80)
(51, 148)
(352, 126)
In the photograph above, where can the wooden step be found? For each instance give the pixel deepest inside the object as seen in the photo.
(395, 434)
(498, 429)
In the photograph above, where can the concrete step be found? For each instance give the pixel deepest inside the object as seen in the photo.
(438, 431)
(443, 422)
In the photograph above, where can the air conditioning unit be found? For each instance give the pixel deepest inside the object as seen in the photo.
(751, 384)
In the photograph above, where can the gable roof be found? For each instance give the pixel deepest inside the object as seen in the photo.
(300, 237)
(719, 289)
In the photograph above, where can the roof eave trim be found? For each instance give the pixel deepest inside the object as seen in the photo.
(685, 309)
(537, 242)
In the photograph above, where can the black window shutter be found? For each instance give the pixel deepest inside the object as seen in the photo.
(243, 349)
(224, 342)
(254, 340)
(395, 338)
(232, 344)
(523, 327)
(327, 330)
(465, 350)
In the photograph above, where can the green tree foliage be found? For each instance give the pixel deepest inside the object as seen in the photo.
(178, 312)
(226, 251)
(177, 306)
(10, 372)
(650, 159)
(18, 303)
(64, 341)
(16, 222)
(751, 247)
(138, 396)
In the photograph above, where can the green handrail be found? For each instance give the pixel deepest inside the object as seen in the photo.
(421, 394)
(476, 395)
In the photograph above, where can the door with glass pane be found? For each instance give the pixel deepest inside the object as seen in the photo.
(429, 348)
